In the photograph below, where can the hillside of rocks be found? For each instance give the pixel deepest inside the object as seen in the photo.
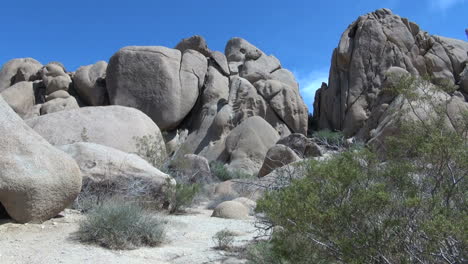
(196, 105)
(373, 49)
(66, 131)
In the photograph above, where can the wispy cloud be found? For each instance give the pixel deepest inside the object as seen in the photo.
(444, 4)
(309, 83)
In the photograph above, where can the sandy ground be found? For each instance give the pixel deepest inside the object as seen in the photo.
(189, 240)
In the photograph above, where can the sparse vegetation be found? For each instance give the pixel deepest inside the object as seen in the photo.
(261, 252)
(183, 196)
(358, 208)
(333, 140)
(223, 174)
(223, 239)
(146, 193)
(149, 148)
(117, 224)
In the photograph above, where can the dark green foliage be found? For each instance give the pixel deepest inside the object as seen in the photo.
(262, 252)
(118, 225)
(356, 208)
(184, 194)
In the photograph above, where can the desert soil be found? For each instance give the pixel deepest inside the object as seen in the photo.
(189, 240)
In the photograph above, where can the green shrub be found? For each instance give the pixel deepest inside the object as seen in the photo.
(118, 225)
(262, 252)
(149, 148)
(356, 208)
(327, 138)
(223, 239)
(219, 170)
(184, 194)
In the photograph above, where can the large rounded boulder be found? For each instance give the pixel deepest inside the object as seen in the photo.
(89, 83)
(248, 143)
(231, 210)
(161, 82)
(37, 181)
(18, 70)
(20, 97)
(276, 157)
(113, 126)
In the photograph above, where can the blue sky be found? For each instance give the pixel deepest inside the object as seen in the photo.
(301, 33)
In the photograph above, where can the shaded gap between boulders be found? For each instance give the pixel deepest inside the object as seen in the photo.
(3, 213)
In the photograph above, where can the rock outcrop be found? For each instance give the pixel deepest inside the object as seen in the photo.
(248, 144)
(162, 82)
(354, 101)
(37, 181)
(89, 83)
(112, 126)
(128, 174)
(190, 90)
(276, 157)
(18, 70)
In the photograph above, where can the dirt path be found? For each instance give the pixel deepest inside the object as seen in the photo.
(189, 240)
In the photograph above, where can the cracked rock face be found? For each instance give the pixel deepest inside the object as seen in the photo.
(90, 84)
(353, 100)
(161, 82)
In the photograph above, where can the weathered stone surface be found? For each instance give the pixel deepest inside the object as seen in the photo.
(304, 147)
(58, 94)
(18, 70)
(126, 173)
(246, 102)
(276, 157)
(464, 80)
(89, 82)
(20, 97)
(112, 126)
(211, 122)
(248, 143)
(196, 42)
(59, 104)
(286, 102)
(55, 78)
(193, 167)
(231, 210)
(161, 82)
(221, 61)
(37, 181)
(247, 203)
(370, 46)
(286, 77)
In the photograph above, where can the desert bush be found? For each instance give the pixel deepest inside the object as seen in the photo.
(183, 196)
(223, 239)
(358, 208)
(120, 225)
(149, 148)
(333, 140)
(261, 252)
(223, 174)
(146, 193)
